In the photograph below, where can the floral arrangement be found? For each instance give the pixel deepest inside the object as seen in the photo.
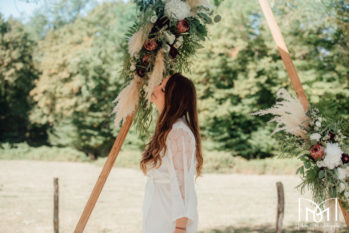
(319, 143)
(160, 43)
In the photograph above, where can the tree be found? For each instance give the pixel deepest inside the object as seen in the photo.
(17, 75)
(240, 70)
(80, 63)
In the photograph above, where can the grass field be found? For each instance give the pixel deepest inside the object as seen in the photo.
(214, 162)
(227, 203)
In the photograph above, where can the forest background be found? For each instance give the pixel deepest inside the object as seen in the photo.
(59, 73)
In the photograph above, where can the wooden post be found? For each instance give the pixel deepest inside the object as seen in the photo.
(285, 55)
(291, 70)
(104, 174)
(344, 212)
(280, 208)
(55, 205)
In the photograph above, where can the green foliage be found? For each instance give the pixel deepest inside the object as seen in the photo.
(47, 153)
(177, 54)
(79, 64)
(317, 176)
(17, 75)
(240, 70)
(80, 61)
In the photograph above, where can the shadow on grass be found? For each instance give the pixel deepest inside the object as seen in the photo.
(267, 228)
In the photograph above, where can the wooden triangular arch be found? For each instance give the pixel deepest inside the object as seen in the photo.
(296, 83)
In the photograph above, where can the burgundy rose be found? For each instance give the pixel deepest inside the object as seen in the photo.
(173, 52)
(317, 151)
(146, 58)
(345, 158)
(140, 72)
(150, 44)
(182, 26)
(160, 23)
(331, 135)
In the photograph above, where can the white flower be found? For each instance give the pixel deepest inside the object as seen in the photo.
(320, 119)
(166, 48)
(318, 123)
(132, 67)
(341, 173)
(341, 187)
(153, 19)
(170, 37)
(315, 136)
(177, 44)
(333, 154)
(177, 9)
(180, 39)
(320, 163)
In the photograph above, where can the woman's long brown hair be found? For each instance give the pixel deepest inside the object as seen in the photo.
(180, 99)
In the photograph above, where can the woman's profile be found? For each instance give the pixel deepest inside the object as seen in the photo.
(171, 160)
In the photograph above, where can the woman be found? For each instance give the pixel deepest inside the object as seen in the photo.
(171, 159)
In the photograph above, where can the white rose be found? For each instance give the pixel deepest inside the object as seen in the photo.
(177, 9)
(318, 123)
(315, 136)
(333, 155)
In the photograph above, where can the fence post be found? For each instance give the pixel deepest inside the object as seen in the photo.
(280, 207)
(55, 205)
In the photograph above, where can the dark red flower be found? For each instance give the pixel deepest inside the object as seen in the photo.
(150, 44)
(317, 151)
(182, 26)
(345, 158)
(146, 58)
(331, 135)
(160, 23)
(173, 52)
(140, 72)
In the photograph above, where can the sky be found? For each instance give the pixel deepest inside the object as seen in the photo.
(22, 9)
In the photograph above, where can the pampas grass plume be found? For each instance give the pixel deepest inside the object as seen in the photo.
(127, 100)
(156, 75)
(289, 115)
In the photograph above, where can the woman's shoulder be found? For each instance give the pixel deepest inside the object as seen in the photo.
(181, 123)
(181, 128)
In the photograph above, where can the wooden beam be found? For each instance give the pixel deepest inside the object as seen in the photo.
(285, 55)
(108, 165)
(291, 70)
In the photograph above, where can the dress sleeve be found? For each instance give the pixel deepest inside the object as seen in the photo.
(181, 148)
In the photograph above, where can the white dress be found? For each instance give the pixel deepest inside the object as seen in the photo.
(169, 191)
